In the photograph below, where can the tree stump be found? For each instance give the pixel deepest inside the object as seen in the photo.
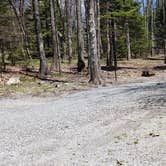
(147, 72)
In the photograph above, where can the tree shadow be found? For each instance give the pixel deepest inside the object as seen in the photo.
(163, 67)
(155, 59)
(8, 71)
(107, 68)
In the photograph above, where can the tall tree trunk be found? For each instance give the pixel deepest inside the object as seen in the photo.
(62, 37)
(128, 41)
(109, 45)
(164, 12)
(69, 30)
(98, 34)
(80, 38)
(94, 57)
(113, 26)
(54, 36)
(47, 26)
(43, 61)
(87, 43)
(145, 14)
(109, 39)
(147, 17)
(165, 51)
(3, 55)
(164, 23)
(152, 31)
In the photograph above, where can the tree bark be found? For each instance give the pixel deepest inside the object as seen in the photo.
(152, 31)
(69, 30)
(128, 41)
(94, 57)
(164, 12)
(80, 38)
(109, 45)
(113, 27)
(62, 38)
(98, 34)
(43, 62)
(165, 51)
(87, 44)
(54, 36)
(3, 55)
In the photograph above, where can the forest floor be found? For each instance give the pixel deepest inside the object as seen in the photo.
(70, 80)
(120, 125)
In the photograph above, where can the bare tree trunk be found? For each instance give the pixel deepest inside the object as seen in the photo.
(128, 41)
(98, 31)
(147, 17)
(69, 30)
(164, 12)
(109, 39)
(54, 36)
(80, 38)
(87, 44)
(165, 51)
(62, 37)
(43, 61)
(164, 23)
(94, 57)
(113, 26)
(152, 30)
(109, 45)
(3, 55)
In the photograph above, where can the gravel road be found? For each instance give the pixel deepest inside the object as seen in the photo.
(110, 126)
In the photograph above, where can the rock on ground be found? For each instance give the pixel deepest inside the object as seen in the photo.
(13, 81)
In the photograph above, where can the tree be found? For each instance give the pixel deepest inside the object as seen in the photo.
(93, 56)
(128, 41)
(160, 26)
(43, 62)
(10, 35)
(80, 38)
(2, 46)
(98, 31)
(69, 30)
(18, 8)
(105, 30)
(54, 36)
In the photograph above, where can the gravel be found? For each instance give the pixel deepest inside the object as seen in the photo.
(110, 126)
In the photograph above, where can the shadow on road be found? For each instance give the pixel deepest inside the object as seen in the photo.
(107, 68)
(160, 67)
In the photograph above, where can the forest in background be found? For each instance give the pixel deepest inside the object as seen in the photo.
(86, 33)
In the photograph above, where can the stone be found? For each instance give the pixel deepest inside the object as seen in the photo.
(13, 81)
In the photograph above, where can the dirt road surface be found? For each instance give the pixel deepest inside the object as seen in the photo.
(111, 126)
